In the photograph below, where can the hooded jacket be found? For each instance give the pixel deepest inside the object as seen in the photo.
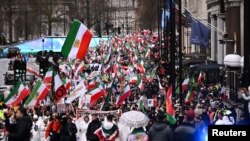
(160, 132)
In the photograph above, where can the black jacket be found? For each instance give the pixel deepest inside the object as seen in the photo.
(185, 132)
(93, 126)
(160, 132)
(10, 127)
(23, 130)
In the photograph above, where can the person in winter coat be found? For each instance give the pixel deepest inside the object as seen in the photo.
(52, 130)
(23, 128)
(10, 122)
(37, 129)
(108, 131)
(160, 131)
(93, 126)
(187, 131)
(68, 130)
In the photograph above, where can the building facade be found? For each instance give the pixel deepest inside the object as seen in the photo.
(227, 16)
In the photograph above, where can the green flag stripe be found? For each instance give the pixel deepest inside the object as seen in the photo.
(70, 38)
(170, 119)
(13, 92)
(34, 91)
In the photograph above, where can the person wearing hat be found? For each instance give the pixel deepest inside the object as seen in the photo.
(92, 127)
(160, 131)
(187, 131)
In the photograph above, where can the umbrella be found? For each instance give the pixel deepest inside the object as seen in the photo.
(208, 67)
(134, 119)
(195, 55)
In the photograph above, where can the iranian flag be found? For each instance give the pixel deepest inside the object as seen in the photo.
(133, 80)
(66, 83)
(11, 97)
(77, 41)
(141, 67)
(126, 93)
(169, 104)
(59, 88)
(139, 83)
(22, 92)
(185, 84)
(39, 92)
(96, 93)
(48, 78)
(147, 53)
(201, 77)
(190, 96)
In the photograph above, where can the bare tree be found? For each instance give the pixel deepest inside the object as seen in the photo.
(147, 14)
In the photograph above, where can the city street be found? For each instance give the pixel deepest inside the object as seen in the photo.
(124, 70)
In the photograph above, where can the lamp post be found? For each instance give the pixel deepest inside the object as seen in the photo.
(233, 62)
(43, 45)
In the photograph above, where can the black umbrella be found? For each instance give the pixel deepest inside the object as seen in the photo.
(195, 55)
(208, 67)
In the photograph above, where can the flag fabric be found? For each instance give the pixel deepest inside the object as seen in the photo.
(185, 84)
(59, 89)
(96, 94)
(200, 34)
(164, 18)
(169, 103)
(13, 92)
(189, 96)
(39, 92)
(22, 92)
(170, 118)
(77, 92)
(42, 93)
(33, 93)
(66, 83)
(148, 52)
(126, 93)
(77, 41)
(139, 83)
(48, 77)
(201, 78)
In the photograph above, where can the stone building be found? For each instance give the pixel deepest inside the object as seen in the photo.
(228, 17)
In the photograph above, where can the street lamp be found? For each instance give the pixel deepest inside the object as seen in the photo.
(43, 45)
(233, 62)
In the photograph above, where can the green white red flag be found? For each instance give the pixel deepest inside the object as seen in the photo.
(59, 89)
(77, 41)
(22, 92)
(126, 93)
(39, 93)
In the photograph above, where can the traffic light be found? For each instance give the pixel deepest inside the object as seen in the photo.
(19, 70)
(43, 66)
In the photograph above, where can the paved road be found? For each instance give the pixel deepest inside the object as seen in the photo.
(3, 68)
